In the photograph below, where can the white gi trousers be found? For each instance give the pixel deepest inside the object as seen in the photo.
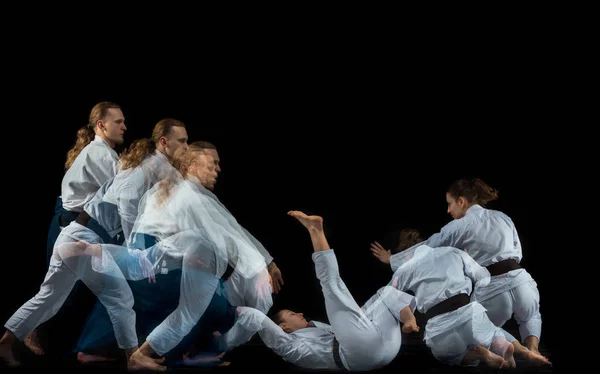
(450, 335)
(369, 338)
(110, 287)
(513, 293)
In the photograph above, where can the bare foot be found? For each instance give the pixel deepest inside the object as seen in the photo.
(32, 342)
(85, 358)
(7, 356)
(531, 343)
(139, 361)
(410, 327)
(310, 222)
(509, 357)
(531, 356)
(409, 322)
(503, 348)
(491, 359)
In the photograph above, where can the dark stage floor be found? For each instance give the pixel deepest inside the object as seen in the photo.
(413, 357)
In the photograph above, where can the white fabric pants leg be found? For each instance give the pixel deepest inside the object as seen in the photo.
(524, 302)
(110, 287)
(451, 335)
(198, 285)
(360, 339)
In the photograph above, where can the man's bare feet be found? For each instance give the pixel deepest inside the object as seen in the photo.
(6, 355)
(139, 361)
(86, 358)
(32, 342)
(310, 222)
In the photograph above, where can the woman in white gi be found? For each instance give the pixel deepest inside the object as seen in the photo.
(358, 339)
(491, 239)
(458, 330)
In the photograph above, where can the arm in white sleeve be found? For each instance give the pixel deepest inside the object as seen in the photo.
(104, 168)
(128, 203)
(477, 273)
(272, 335)
(516, 240)
(394, 300)
(445, 238)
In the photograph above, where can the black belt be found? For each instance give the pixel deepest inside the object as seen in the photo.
(66, 217)
(227, 273)
(336, 354)
(83, 218)
(503, 267)
(448, 305)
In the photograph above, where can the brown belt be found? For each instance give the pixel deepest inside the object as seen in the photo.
(503, 267)
(448, 305)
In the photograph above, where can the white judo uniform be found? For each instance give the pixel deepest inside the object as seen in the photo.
(109, 286)
(490, 236)
(436, 275)
(96, 164)
(364, 338)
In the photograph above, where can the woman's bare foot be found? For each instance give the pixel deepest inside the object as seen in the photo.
(85, 358)
(32, 342)
(139, 361)
(490, 359)
(509, 357)
(314, 225)
(409, 322)
(532, 343)
(410, 327)
(310, 222)
(503, 348)
(528, 355)
(7, 356)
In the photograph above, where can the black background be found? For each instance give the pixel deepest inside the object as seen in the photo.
(369, 147)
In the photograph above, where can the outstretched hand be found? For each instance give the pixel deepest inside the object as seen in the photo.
(381, 253)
